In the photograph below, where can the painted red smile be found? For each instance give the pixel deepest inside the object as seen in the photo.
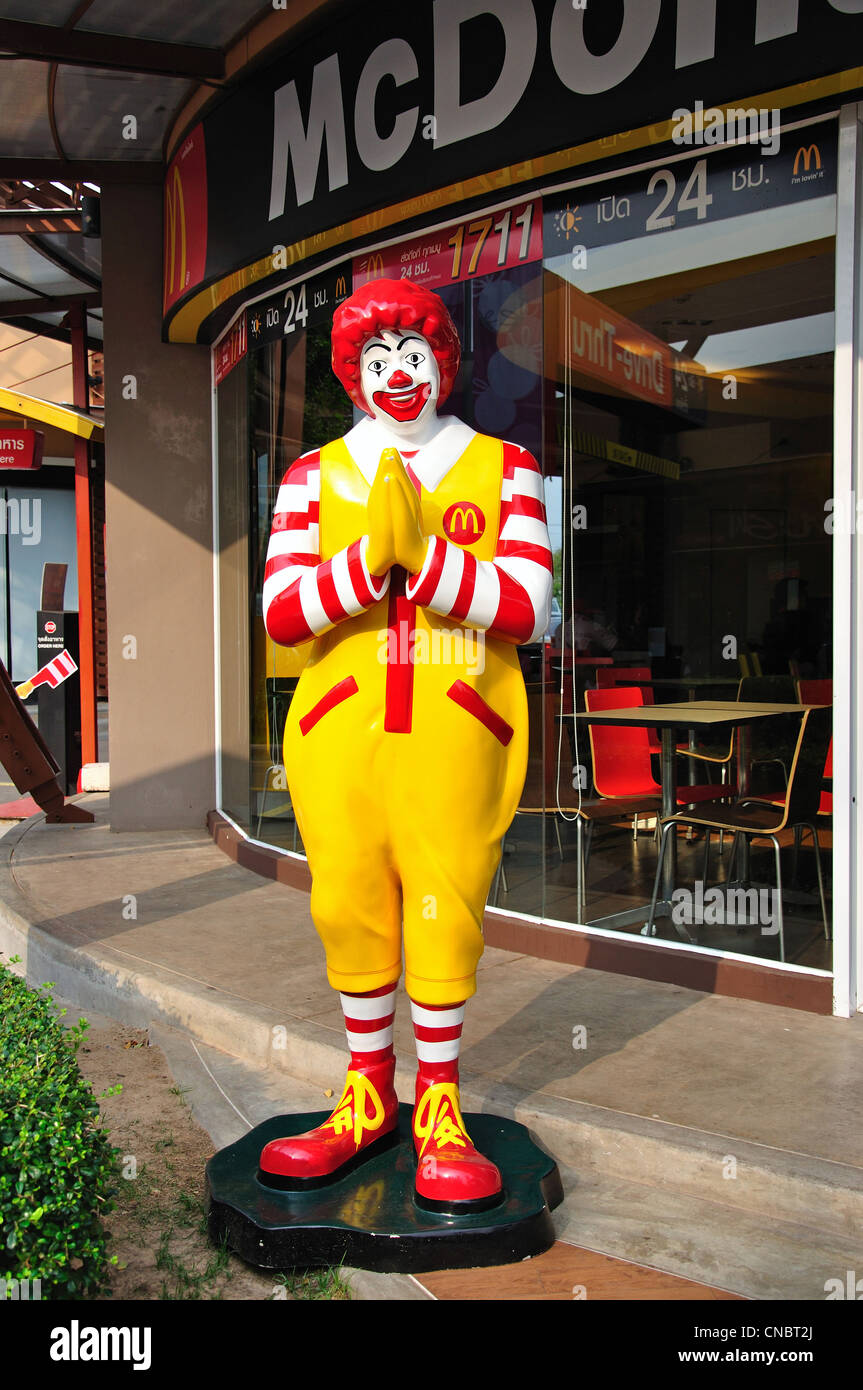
(403, 405)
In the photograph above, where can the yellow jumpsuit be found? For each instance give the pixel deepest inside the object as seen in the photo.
(404, 827)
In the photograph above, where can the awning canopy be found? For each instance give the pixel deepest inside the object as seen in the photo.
(92, 87)
(62, 417)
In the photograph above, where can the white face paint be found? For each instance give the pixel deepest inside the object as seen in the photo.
(400, 380)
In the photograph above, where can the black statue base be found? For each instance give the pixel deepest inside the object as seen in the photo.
(369, 1219)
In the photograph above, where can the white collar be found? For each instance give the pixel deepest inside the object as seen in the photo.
(430, 463)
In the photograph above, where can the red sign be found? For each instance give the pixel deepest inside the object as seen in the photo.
(185, 219)
(20, 448)
(50, 626)
(231, 349)
(476, 246)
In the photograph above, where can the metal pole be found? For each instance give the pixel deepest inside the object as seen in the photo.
(87, 658)
(8, 582)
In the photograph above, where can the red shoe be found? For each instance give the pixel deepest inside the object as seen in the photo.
(451, 1176)
(364, 1123)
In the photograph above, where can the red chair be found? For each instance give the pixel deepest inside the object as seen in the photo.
(613, 676)
(621, 753)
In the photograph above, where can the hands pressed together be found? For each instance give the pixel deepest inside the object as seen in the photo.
(396, 535)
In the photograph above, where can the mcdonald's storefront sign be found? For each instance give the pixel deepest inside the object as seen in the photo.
(185, 227)
(366, 112)
(303, 304)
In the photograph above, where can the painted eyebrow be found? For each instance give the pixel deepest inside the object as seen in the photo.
(382, 347)
(411, 338)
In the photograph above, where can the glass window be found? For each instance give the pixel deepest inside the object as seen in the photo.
(669, 361)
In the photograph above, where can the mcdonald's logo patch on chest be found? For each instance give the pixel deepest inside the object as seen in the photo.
(463, 523)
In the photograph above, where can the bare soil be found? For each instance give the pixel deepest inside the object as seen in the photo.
(158, 1226)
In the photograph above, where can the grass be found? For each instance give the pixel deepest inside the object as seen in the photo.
(160, 1222)
(314, 1284)
(187, 1281)
(171, 1219)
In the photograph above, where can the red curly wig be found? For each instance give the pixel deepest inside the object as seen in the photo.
(397, 305)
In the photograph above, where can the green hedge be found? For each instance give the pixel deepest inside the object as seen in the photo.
(57, 1168)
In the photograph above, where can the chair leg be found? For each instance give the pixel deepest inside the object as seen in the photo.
(809, 826)
(588, 846)
(706, 862)
(732, 861)
(798, 831)
(494, 890)
(557, 832)
(579, 868)
(499, 877)
(779, 896)
(271, 768)
(650, 926)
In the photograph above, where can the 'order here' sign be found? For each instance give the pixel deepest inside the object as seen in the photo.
(20, 448)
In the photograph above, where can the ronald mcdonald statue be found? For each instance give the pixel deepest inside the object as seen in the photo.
(415, 552)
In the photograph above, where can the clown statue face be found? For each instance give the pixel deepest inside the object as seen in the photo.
(404, 772)
(400, 383)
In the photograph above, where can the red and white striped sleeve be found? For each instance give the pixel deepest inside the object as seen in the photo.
(510, 596)
(304, 596)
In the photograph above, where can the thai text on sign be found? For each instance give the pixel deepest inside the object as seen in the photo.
(20, 448)
(476, 246)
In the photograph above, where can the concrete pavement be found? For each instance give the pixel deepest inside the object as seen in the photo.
(712, 1138)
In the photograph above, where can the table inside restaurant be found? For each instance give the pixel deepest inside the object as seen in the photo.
(669, 719)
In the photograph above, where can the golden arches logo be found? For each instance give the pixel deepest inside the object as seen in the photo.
(375, 267)
(341, 288)
(175, 229)
(463, 523)
(807, 155)
(464, 518)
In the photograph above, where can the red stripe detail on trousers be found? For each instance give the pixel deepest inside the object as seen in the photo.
(472, 701)
(333, 697)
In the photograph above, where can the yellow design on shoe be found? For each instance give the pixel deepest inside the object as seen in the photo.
(439, 1118)
(351, 1109)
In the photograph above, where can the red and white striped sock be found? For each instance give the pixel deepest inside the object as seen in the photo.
(437, 1029)
(369, 1025)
